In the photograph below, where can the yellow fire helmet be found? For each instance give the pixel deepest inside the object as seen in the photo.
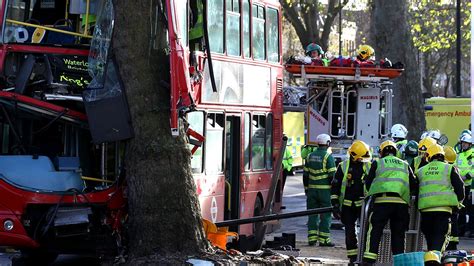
(365, 52)
(426, 143)
(433, 150)
(360, 151)
(449, 154)
(386, 144)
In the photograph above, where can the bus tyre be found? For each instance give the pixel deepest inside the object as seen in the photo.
(257, 211)
(38, 256)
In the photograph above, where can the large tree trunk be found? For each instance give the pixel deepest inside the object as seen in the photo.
(391, 33)
(164, 213)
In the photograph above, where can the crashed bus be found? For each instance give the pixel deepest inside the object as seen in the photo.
(62, 185)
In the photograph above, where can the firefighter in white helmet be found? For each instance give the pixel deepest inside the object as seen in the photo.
(319, 170)
(399, 133)
(347, 191)
(464, 162)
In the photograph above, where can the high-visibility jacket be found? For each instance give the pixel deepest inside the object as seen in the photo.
(416, 163)
(306, 150)
(391, 175)
(345, 167)
(435, 186)
(320, 166)
(287, 160)
(197, 30)
(464, 163)
(400, 147)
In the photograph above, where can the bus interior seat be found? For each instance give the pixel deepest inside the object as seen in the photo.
(28, 172)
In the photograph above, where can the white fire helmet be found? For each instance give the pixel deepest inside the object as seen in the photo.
(434, 134)
(323, 139)
(399, 131)
(466, 138)
(424, 135)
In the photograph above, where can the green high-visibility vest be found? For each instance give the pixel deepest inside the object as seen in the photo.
(416, 163)
(345, 167)
(319, 165)
(400, 144)
(391, 175)
(464, 162)
(435, 186)
(287, 160)
(197, 31)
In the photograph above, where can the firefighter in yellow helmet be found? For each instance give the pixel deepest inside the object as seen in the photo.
(450, 157)
(365, 52)
(441, 189)
(390, 182)
(347, 191)
(421, 160)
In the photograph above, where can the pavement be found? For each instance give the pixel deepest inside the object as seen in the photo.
(295, 200)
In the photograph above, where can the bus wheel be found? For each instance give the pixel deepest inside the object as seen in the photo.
(257, 211)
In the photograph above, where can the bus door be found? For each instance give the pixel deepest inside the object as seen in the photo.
(232, 167)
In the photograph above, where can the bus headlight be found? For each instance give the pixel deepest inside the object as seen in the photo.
(8, 225)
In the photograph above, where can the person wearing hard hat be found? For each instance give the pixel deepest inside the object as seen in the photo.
(450, 157)
(458, 145)
(464, 162)
(347, 192)
(390, 182)
(440, 190)
(421, 160)
(319, 170)
(399, 132)
(436, 135)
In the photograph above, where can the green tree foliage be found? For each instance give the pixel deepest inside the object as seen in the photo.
(433, 24)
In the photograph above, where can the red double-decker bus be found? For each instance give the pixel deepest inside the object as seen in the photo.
(241, 117)
(71, 197)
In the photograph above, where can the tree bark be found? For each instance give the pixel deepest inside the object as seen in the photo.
(391, 33)
(164, 213)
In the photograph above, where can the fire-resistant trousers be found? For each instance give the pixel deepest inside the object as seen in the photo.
(397, 214)
(319, 224)
(349, 216)
(454, 236)
(462, 225)
(436, 227)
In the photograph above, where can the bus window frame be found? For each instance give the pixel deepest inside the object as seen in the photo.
(233, 13)
(258, 5)
(206, 125)
(259, 114)
(267, 25)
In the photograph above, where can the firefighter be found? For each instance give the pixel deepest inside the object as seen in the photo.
(440, 190)
(420, 160)
(389, 183)
(410, 151)
(287, 165)
(347, 191)
(364, 53)
(457, 147)
(319, 169)
(399, 133)
(464, 163)
(436, 135)
(450, 157)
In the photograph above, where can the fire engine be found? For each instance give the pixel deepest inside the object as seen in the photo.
(347, 103)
